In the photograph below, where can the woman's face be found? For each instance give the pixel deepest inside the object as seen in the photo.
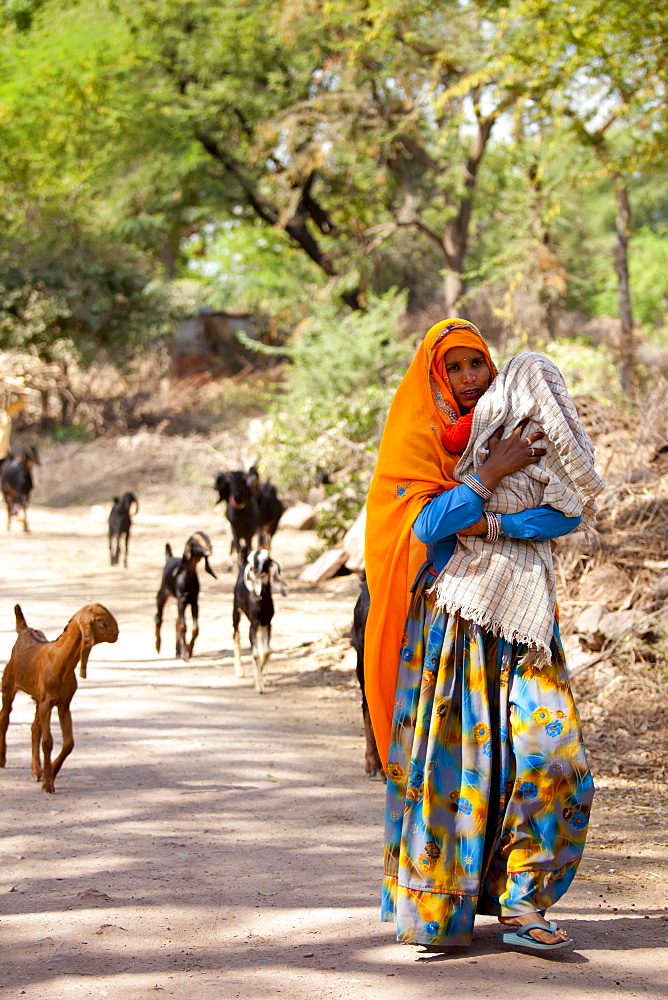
(468, 374)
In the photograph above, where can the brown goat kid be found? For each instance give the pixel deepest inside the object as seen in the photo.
(46, 671)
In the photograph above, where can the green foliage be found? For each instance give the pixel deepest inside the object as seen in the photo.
(243, 267)
(341, 509)
(375, 142)
(339, 388)
(587, 370)
(649, 279)
(64, 287)
(75, 432)
(344, 362)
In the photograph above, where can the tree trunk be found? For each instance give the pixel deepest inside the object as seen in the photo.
(456, 237)
(454, 289)
(627, 355)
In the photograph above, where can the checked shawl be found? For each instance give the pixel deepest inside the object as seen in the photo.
(508, 586)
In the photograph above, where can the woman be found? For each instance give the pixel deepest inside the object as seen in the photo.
(482, 815)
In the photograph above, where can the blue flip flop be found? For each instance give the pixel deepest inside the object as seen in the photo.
(521, 938)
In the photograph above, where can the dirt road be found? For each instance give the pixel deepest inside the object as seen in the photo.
(205, 841)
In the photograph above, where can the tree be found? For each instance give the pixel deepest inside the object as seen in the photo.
(343, 125)
(63, 287)
(602, 69)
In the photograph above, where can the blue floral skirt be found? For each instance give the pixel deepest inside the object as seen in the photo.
(488, 790)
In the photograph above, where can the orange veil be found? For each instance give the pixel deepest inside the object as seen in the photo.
(412, 467)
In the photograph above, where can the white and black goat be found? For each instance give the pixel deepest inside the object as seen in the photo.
(180, 580)
(253, 598)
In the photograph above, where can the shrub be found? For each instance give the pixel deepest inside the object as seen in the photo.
(346, 366)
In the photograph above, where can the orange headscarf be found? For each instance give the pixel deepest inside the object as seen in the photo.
(412, 467)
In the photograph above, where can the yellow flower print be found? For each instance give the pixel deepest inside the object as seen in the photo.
(481, 732)
(414, 793)
(395, 772)
(426, 864)
(542, 716)
(428, 677)
(560, 714)
(432, 849)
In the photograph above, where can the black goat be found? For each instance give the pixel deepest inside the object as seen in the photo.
(253, 598)
(179, 580)
(120, 522)
(17, 484)
(236, 489)
(372, 762)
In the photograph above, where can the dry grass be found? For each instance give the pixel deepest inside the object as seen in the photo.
(623, 689)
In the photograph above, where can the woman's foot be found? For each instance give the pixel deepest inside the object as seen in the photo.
(552, 935)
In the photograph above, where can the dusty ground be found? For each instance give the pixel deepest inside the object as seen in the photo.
(205, 841)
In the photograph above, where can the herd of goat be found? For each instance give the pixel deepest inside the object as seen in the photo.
(46, 671)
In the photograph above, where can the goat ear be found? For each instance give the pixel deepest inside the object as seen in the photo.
(277, 578)
(207, 567)
(87, 642)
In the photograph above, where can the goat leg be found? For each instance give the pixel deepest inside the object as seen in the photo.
(65, 717)
(372, 764)
(258, 649)
(181, 648)
(44, 716)
(193, 636)
(36, 734)
(161, 598)
(25, 516)
(7, 702)
(238, 662)
(125, 557)
(194, 610)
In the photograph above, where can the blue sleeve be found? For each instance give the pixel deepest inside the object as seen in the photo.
(448, 513)
(539, 524)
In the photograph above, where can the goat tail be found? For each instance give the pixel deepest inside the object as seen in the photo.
(21, 623)
(168, 551)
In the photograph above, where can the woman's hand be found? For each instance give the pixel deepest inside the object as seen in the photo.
(509, 455)
(479, 527)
